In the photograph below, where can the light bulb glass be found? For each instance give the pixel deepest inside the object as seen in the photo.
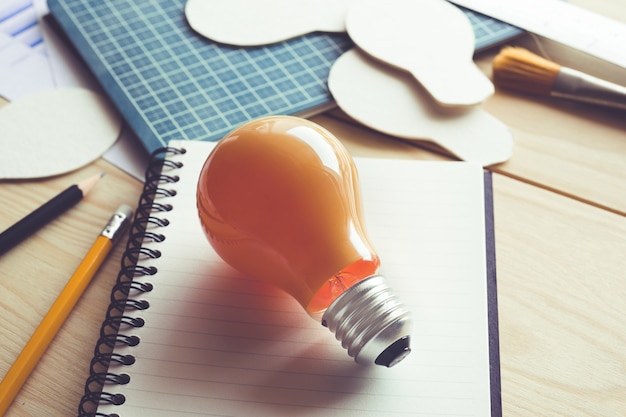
(279, 200)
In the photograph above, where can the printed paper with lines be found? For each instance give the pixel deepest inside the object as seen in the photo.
(216, 343)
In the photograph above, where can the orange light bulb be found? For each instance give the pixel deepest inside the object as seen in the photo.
(279, 200)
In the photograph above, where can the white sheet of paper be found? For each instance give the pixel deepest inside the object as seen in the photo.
(23, 70)
(55, 131)
(18, 19)
(388, 100)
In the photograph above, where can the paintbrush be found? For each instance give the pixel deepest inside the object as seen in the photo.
(518, 69)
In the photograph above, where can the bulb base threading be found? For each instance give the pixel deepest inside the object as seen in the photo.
(370, 322)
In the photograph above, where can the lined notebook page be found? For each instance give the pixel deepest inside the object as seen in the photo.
(216, 343)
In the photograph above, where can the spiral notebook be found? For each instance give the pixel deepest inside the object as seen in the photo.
(186, 335)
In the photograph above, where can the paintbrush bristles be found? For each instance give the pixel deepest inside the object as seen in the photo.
(519, 69)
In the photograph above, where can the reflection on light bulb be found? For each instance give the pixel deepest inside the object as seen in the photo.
(279, 200)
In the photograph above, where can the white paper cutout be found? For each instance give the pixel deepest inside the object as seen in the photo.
(389, 100)
(255, 23)
(431, 39)
(55, 131)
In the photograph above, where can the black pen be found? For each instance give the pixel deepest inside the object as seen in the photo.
(46, 213)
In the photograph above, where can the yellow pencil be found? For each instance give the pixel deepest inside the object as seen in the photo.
(65, 302)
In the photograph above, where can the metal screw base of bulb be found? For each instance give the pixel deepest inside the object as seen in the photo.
(370, 322)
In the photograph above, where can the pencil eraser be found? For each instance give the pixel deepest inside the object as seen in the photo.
(125, 210)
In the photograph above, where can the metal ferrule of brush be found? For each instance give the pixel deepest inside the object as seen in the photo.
(370, 322)
(576, 85)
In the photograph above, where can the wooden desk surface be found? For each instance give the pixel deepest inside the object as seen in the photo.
(560, 217)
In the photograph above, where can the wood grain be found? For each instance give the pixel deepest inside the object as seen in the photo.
(560, 217)
(561, 273)
(33, 273)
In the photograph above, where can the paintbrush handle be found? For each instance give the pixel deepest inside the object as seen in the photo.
(576, 85)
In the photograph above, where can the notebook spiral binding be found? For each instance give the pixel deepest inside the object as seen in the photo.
(126, 293)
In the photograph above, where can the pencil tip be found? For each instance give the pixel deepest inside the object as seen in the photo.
(87, 184)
